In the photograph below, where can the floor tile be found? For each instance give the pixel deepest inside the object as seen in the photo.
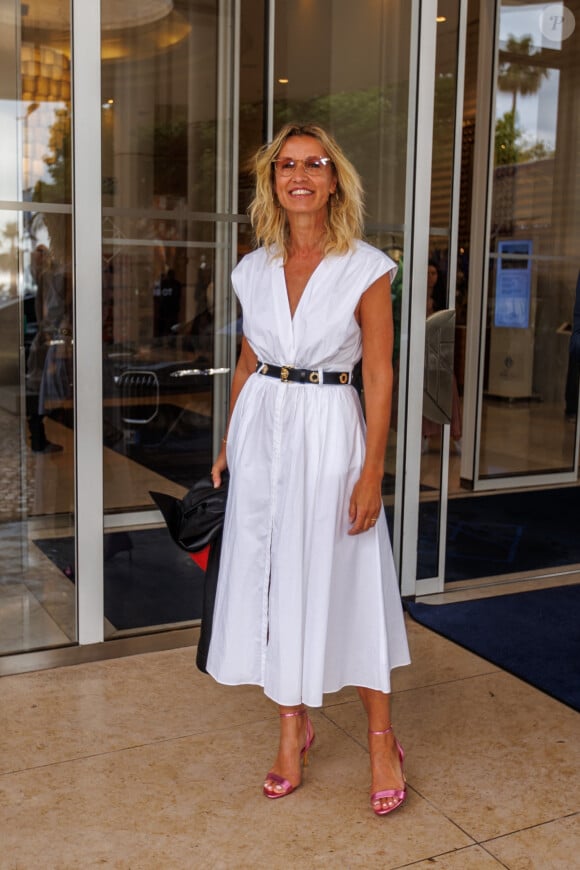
(97, 700)
(144, 762)
(197, 801)
(554, 846)
(434, 660)
(476, 749)
(472, 858)
(111, 705)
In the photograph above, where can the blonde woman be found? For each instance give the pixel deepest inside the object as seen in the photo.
(307, 595)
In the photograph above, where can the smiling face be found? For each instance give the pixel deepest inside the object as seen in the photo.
(301, 192)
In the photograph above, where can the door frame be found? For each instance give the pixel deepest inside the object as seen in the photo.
(420, 183)
(91, 522)
(88, 399)
(87, 212)
(481, 221)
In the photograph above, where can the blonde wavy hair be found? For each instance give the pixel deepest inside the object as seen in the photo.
(344, 222)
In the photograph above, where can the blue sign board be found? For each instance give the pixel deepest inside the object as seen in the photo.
(513, 286)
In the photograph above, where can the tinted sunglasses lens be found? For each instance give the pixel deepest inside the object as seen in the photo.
(312, 165)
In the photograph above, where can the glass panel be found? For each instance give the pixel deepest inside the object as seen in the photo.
(253, 109)
(37, 595)
(346, 66)
(166, 319)
(166, 306)
(437, 280)
(533, 253)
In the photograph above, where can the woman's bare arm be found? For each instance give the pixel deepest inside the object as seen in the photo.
(376, 320)
(246, 366)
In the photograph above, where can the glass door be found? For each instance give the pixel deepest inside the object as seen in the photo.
(37, 517)
(188, 95)
(441, 425)
(526, 431)
(519, 253)
(169, 329)
(353, 68)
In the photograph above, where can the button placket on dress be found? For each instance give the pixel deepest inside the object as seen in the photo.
(281, 395)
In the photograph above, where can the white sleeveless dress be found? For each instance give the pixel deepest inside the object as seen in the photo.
(302, 607)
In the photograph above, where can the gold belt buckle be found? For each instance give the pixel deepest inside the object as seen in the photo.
(285, 373)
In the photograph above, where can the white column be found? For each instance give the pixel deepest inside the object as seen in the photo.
(226, 203)
(88, 318)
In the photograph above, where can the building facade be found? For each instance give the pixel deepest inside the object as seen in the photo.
(124, 183)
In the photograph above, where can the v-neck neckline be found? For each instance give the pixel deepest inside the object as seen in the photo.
(304, 292)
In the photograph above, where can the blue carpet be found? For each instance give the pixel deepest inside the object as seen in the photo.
(148, 580)
(533, 635)
(502, 533)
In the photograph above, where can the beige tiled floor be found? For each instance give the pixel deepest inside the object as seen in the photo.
(143, 762)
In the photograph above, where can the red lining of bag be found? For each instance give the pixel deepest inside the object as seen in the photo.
(201, 557)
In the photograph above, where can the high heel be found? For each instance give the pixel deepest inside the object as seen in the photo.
(283, 786)
(399, 794)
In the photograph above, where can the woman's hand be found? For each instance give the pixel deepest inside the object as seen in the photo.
(219, 467)
(366, 504)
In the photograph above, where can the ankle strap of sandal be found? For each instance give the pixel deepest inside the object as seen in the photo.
(295, 713)
(386, 731)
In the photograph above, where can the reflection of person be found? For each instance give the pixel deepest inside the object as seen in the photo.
(575, 338)
(436, 302)
(307, 597)
(436, 297)
(573, 376)
(49, 372)
(166, 304)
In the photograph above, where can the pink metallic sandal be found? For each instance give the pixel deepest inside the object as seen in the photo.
(282, 786)
(399, 794)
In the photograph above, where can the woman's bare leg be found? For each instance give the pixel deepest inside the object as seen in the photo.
(386, 770)
(292, 740)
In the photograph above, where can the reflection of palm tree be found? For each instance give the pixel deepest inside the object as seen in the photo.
(517, 75)
(8, 260)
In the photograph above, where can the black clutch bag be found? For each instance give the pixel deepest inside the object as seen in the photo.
(195, 520)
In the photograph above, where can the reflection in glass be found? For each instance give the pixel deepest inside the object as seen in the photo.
(166, 325)
(533, 256)
(353, 79)
(160, 129)
(167, 309)
(38, 603)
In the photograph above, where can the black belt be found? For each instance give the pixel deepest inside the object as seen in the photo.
(302, 376)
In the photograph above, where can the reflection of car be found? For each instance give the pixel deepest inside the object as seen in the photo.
(129, 376)
(158, 412)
